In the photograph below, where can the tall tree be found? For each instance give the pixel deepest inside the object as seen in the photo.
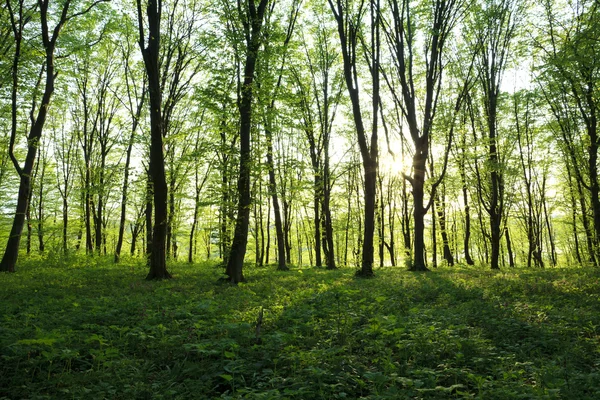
(349, 15)
(269, 113)
(150, 47)
(251, 14)
(440, 19)
(495, 30)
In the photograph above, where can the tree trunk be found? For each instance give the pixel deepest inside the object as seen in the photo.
(281, 255)
(463, 176)
(158, 265)
(40, 224)
(326, 209)
(441, 211)
(434, 263)
(317, 224)
(418, 182)
(253, 27)
(194, 223)
(122, 218)
(348, 35)
(391, 224)
(511, 257)
(148, 215)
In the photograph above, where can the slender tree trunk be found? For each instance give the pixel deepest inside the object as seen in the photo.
(99, 215)
(381, 222)
(434, 235)
(268, 245)
(392, 224)
(511, 256)
(29, 224)
(148, 215)
(281, 250)
(287, 229)
(317, 223)
(194, 223)
(326, 208)
(65, 218)
(467, 208)
(550, 234)
(40, 224)
(441, 211)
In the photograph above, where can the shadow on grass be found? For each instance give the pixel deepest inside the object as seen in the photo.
(107, 333)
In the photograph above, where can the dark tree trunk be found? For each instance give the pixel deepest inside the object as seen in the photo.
(148, 216)
(40, 222)
(434, 235)
(326, 209)
(150, 52)
(253, 25)
(29, 225)
(281, 255)
(441, 212)
(466, 242)
(287, 229)
(495, 208)
(391, 224)
(418, 182)
(317, 224)
(268, 245)
(381, 222)
(511, 256)
(99, 214)
(65, 218)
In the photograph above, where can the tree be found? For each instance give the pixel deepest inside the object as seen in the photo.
(269, 115)
(150, 47)
(495, 28)
(348, 16)
(402, 40)
(251, 15)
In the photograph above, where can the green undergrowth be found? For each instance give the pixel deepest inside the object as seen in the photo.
(94, 330)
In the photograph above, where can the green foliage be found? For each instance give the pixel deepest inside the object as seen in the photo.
(80, 330)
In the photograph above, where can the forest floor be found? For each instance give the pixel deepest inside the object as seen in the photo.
(86, 329)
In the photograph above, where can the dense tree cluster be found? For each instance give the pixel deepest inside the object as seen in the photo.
(346, 132)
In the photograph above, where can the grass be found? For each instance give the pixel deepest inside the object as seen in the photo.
(79, 330)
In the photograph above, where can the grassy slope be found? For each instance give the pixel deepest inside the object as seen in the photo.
(101, 331)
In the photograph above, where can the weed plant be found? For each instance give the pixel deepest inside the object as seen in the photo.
(81, 329)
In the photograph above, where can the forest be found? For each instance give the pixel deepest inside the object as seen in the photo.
(270, 153)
